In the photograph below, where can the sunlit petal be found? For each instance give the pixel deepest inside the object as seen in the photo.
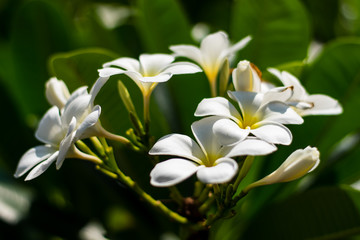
(50, 129)
(41, 167)
(178, 145)
(224, 170)
(273, 133)
(32, 157)
(172, 171)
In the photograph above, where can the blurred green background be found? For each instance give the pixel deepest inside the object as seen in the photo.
(316, 40)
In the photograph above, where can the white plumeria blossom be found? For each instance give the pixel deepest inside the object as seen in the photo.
(213, 51)
(52, 133)
(304, 103)
(299, 163)
(60, 129)
(149, 70)
(207, 157)
(261, 115)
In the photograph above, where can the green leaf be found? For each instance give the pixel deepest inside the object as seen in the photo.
(280, 30)
(322, 213)
(40, 28)
(335, 73)
(79, 67)
(161, 23)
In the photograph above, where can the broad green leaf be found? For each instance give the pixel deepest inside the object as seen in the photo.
(321, 213)
(335, 73)
(280, 30)
(161, 23)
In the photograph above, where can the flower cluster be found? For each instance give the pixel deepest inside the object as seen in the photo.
(245, 119)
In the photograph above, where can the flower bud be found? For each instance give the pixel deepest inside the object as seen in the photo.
(299, 163)
(56, 92)
(246, 78)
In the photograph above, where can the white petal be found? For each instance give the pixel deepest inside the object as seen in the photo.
(249, 146)
(224, 171)
(178, 145)
(188, 51)
(280, 112)
(182, 68)
(162, 77)
(84, 131)
(78, 108)
(66, 144)
(153, 64)
(245, 78)
(78, 92)
(217, 106)
(33, 157)
(100, 82)
(249, 102)
(109, 71)
(273, 133)
(126, 63)
(41, 167)
(50, 130)
(323, 105)
(203, 132)
(281, 94)
(171, 172)
(239, 45)
(56, 92)
(289, 80)
(212, 47)
(228, 132)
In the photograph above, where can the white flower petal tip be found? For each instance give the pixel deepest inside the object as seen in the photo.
(33, 157)
(298, 164)
(172, 172)
(222, 172)
(56, 92)
(108, 72)
(246, 78)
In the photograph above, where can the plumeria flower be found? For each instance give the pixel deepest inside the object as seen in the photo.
(213, 51)
(207, 157)
(148, 71)
(299, 163)
(58, 145)
(259, 116)
(304, 103)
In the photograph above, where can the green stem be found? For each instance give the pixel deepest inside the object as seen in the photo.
(213, 86)
(83, 147)
(146, 101)
(113, 171)
(243, 171)
(98, 146)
